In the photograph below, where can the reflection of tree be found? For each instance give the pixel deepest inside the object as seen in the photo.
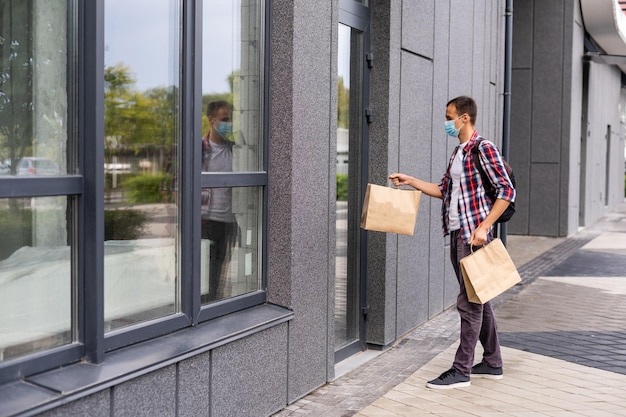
(117, 95)
(143, 122)
(139, 122)
(16, 68)
(139, 125)
(343, 104)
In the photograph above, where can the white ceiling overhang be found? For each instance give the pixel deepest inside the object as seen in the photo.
(605, 22)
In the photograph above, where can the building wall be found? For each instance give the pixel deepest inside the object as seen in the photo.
(577, 86)
(301, 210)
(600, 152)
(539, 125)
(244, 378)
(426, 53)
(549, 93)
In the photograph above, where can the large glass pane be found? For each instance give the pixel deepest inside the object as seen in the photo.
(230, 248)
(142, 139)
(232, 72)
(34, 86)
(37, 137)
(35, 275)
(349, 150)
(232, 141)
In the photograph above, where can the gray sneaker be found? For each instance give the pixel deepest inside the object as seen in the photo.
(482, 370)
(449, 379)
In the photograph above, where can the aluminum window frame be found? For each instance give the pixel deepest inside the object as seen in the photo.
(234, 179)
(73, 188)
(86, 195)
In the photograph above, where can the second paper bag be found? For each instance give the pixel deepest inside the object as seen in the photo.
(387, 209)
(488, 272)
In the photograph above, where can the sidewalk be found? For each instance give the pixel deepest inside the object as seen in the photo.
(563, 337)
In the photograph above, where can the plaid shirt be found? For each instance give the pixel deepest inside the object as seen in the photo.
(474, 205)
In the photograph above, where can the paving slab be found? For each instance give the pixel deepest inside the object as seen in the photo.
(533, 385)
(563, 337)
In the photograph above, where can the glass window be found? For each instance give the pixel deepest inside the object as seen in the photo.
(35, 275)
(142, 139)
(41, 293)
(348, 277)
(34, 43)
(37, 127)
(231, 72)
(230, 249)
(232, 142)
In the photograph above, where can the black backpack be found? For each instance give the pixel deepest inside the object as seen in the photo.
(491, 190)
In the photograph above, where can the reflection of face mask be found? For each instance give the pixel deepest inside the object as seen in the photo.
(224, 129)
(450, 129)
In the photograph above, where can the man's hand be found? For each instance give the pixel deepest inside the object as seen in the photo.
(428, 188)
(400, 179)
(478, 237)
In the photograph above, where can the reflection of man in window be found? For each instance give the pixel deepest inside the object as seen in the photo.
(218, 221)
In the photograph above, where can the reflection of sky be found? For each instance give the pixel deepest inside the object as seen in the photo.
(220, 35)
(343, 59)
(142, 34)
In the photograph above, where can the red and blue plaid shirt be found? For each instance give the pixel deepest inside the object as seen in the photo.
(474, 205)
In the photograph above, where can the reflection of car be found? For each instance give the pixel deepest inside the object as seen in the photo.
(5, 168)
(37, 166)
(116, 167)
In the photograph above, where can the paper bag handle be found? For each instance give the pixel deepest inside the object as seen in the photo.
(479, 247)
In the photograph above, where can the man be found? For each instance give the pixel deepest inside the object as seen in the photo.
(219, 224)
(468, 217)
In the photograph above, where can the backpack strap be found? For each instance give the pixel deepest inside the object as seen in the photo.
(483, 175)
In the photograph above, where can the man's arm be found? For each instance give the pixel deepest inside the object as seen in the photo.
(479, 236)
(494, 168)
(427, 188)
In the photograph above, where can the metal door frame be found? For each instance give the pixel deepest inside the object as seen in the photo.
(357, 16)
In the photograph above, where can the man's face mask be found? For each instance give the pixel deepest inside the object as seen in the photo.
(450, 129)
(225, 129)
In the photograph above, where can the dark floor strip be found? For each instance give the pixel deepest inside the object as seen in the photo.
(602, 350)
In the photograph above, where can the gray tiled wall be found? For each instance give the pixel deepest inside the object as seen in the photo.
(301, 211)
(246, 378)
(420, 64)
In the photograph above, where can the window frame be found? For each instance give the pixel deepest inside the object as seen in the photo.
(234, 179)
(70, 186)
(158, 326)
(87, 200)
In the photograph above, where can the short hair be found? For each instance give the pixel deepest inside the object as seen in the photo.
(214, 106)
(465, 104)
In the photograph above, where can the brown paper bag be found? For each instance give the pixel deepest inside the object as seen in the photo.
(488, 272)
(387, 209)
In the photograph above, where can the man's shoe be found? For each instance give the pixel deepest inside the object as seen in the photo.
(449, 379)
(482, 370)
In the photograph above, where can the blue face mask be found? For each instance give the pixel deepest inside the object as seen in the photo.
(450, 129)
(224, 129)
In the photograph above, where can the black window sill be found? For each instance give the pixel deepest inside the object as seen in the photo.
(38, 393)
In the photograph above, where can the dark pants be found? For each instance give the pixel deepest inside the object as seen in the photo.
(478, 321)
(223, 237)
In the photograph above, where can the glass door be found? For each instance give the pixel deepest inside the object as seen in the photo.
(351, 171)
